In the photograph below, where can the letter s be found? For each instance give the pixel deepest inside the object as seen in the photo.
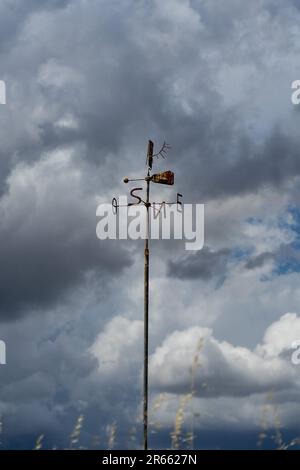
(136, 197)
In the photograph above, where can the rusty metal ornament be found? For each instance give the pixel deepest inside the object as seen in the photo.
(166, 177)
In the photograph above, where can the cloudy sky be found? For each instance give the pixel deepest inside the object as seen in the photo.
(88, 83)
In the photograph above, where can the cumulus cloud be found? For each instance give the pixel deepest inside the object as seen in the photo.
(118, 348)
(222, 370)
(279, 336)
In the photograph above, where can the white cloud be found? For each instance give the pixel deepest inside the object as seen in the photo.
(118, 347)
(279, 336)
(224, 369)
(58, 75)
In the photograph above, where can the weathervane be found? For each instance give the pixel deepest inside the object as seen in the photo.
(167, 178)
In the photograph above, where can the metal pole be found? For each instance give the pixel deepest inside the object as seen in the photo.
(146, 318)
(166, 177)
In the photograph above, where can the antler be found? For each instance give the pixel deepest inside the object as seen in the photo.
(163, 151)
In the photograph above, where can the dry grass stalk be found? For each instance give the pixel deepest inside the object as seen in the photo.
(179, 419)
(39, 442)
(74, 437)
(157, 404)
(270, 417)
(112, 432)
(190, 437)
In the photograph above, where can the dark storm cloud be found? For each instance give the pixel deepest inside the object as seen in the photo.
(205, 265)
(13, 13)
(272, 164)
(137, 89)
(245, 166)
(286, 259)
(42, 269)
(48, 239)
(259, 260)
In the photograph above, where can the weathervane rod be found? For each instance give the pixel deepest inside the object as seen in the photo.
(146, 297)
